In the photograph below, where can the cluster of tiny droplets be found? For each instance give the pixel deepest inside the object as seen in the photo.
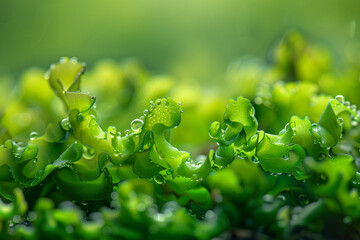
(159, 112)
(356, 113)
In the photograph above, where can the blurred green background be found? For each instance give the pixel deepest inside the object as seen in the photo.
(187, 39)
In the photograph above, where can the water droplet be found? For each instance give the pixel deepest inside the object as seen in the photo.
(158, 101)
(347, 103)
(194, 177)
(63, 60)
(268, 198)
(88, 152)
(65, 124)
(258, 100)
(286, 157)
(314, 127)
(112, 131)
(136, 125)
(74, 59)
(281, 198)
(354, 123)
(303, 199)
(127, 131)
(218, 198)
(114, 204)
(340, 98)
(31, 216)
(141, 207)
(210, 216)
(81, 117)
(267, 103)
(17, 218)
(353, 107)
(159, 179)
(33, 135)
(254, 159)
(341, 121)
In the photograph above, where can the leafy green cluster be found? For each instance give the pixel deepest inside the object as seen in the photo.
(298, 80)
(78, 181)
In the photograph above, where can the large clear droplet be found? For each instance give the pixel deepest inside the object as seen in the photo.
(159, 179)
(340, 98)
(136, 125)
(33, 135)
(65, 124)
(354, 123)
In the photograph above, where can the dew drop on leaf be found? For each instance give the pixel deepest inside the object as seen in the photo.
(314, 127)
(136, 124)
(254, 159)
(258, 100)
(286, 156)
(17, 218)
(33, 135)
(340, 98)
(65, 124)
(194, 177)
(159, 179)
(81, 117)
(281, 198)
(341, 121)
(268, 198)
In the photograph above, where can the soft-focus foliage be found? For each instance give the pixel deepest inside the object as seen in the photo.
(97, 154)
